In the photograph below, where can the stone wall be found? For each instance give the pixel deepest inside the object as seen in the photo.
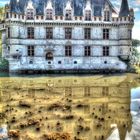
(18, 45)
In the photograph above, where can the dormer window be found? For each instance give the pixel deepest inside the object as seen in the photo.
(88, 15)
(68, 15)
(106, 15)
(30, 14)
(88, 10)
(68, 11)
(49, 10)
(30, 11)
(49, 14)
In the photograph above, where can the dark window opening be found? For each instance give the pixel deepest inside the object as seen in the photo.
(31, 51)
(59, 62)
(88, 15)
(75, 62)
(9, 32)
(49, 14)
(87, 33)
(49, 62)
(7, 15)
(49, 33)
(8, 48)
(30, 33)
(106, 16)
(105, 33)
(31, 62)
(68, 33)
(49, 56)
(87, 50)
(130, 34)
(30, 14)
(68, 15)
(68, 51)
(105, 51)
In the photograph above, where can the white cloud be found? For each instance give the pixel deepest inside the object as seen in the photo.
(136, 9)
(2, 3)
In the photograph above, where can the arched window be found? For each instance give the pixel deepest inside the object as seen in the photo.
(49, 56)
(88, 15)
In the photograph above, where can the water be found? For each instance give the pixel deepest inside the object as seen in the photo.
(70, 107)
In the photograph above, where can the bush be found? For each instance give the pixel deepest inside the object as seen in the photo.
(4, 65)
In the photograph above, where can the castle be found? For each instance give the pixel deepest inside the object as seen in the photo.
(67, 35)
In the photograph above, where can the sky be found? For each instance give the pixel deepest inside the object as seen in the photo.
(135, 4)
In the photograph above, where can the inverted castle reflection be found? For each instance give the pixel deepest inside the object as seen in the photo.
(74, 108)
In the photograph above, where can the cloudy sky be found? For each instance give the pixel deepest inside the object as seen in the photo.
(135, 4)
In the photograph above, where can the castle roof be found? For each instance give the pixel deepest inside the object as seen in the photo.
(124, 11)
(59, 5)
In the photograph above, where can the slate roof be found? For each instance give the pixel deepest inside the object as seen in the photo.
(124, 11)
(78, 5)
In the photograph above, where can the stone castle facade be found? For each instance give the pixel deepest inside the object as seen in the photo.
(56, 35)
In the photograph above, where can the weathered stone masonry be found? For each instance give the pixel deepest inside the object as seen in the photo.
(91, 37)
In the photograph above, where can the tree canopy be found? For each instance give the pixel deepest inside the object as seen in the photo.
(135, 42)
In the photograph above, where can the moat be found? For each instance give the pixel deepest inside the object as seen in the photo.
(57, 107)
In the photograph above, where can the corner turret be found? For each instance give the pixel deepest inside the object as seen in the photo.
(124, 11)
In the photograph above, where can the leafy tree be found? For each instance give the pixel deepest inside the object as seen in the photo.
(135, 53)
(135, 42)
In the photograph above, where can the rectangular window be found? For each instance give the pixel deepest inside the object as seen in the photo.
(30, 33)
(30, 14)
(68, 33)
(106, 16)
(9, 32)
(31, 51)
(7, 15)
(105, 51)
(105, 33)
(87, 33)
(88, 15)
(130, 34)
(87, 50)
(49, 33)
(49, 14)
(68, 51)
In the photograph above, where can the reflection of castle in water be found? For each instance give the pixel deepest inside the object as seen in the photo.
(85, 107)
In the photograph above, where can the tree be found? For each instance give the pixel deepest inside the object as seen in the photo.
(135, 53)
(135, 42)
